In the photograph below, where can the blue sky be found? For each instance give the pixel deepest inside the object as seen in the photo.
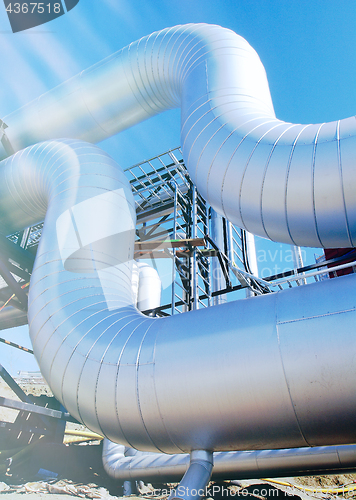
(307, 47)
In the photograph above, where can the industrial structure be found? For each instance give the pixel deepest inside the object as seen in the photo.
(166, 382)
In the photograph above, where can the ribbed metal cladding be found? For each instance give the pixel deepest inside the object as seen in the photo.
(232, 465)
(290, 183)
(274, 371)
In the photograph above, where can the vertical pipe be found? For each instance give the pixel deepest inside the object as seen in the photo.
(297, 256)
(218, 280)
(193, 484)
(251, 253)
(297, 260)
(251, 257)
(135, 281)
(230, 244)
(149, 288)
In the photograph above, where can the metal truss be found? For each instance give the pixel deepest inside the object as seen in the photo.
(173, 234)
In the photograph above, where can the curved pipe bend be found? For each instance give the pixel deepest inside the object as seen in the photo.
(194, 482)
(171, 384)
(286, 182)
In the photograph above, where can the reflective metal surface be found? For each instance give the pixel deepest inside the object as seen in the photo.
(149, 290)
(231, 465)
(273, 371)
(193, 484)
(290, 183)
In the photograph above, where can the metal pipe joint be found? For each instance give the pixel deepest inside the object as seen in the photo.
(195, 480)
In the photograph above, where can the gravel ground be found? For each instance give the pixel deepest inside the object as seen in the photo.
(35, 496)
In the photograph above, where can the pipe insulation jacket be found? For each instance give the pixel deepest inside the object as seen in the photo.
(287, 182)
(274, 371)
(232, 465)
(149, 290)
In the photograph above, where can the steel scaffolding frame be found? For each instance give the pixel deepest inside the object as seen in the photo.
(174, 226)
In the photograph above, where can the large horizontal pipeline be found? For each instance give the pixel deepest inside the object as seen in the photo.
(290, 183)
(178, 384)
(269, 372)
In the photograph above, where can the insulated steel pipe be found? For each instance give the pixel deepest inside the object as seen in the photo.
(290, 183)
(149, 290)
(146, 287)
(174, 384)
(196, 469)
(193, 484)
(230, 465)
